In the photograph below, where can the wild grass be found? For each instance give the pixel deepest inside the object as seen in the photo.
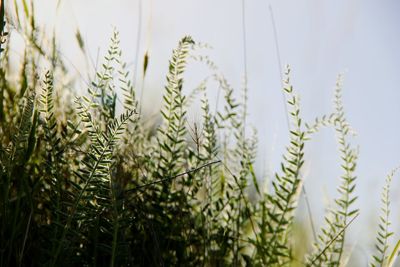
(85, 185)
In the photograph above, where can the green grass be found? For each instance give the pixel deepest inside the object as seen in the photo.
(84, 185)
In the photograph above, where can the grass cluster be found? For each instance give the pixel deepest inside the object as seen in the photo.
(84, 184)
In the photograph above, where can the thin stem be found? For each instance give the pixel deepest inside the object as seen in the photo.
(138, 35)
(333, 240)
(25, 237)
(310, 217)
(245, 67)
(173, 177)
(116, 223)
(278, 56)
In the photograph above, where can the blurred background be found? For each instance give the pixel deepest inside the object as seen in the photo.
(318, 38)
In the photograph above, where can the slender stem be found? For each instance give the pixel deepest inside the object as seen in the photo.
(245, 89)
(25, 237)
(116, 222)
(309, 213)
(173, 177)
(333, 240)
(138, 35)
(278, 56)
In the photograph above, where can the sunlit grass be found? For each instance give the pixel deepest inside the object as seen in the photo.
(83, 184)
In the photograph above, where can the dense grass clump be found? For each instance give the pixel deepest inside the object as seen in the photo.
(83, 184)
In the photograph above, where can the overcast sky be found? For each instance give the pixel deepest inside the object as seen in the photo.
(319, 39)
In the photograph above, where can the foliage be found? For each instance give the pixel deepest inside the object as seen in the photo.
(84, 184)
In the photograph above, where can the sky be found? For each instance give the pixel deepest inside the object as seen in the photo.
(318, 38)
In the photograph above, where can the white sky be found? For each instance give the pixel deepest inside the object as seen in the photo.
(318, 38)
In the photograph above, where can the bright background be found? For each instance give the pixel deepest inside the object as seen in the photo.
(319, 39)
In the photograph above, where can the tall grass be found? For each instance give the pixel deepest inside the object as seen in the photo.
(85, 185)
